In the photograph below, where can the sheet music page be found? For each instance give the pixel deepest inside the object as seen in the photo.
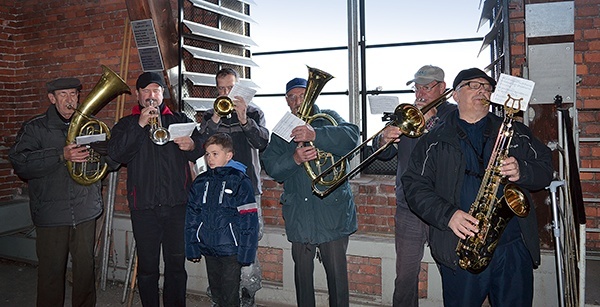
(286, 124)
(515, 87)
(381, 103)
(242, 91)
(183, 129)
(86, 139)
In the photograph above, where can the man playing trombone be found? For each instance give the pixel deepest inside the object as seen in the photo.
(410, 232)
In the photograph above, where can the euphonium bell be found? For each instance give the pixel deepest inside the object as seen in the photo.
(223, 106)
(158, 134)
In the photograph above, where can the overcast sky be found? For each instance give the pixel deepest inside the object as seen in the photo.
(284, 25)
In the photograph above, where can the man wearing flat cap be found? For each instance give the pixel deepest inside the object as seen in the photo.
(314, 225)
(158, 181)
(410, 231)
(444, 175)
(63, 211)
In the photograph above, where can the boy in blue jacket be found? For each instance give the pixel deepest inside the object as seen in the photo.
(222, 220)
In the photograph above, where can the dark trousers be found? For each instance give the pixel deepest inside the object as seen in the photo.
(333, 256)
(153, 228)
(508, 280)
(224, 280)
(53, 246)
(411, 235)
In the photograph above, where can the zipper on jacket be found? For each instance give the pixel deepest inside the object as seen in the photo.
(233, 235)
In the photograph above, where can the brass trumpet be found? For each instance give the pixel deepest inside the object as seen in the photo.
(158, 134)
(407, 117)
(223, 106)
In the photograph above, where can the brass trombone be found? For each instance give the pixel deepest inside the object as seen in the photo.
(407, 117)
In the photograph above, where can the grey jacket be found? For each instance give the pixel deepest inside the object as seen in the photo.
(55, 199)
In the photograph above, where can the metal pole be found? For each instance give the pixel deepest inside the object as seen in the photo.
(557, 240)
(110, 206)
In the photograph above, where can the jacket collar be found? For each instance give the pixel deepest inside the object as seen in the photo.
(136, 110)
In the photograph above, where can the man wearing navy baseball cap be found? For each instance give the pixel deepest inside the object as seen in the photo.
(312, 222)
(443, 180)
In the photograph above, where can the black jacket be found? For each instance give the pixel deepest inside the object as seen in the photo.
(156, 174)
(433, 181)
(55, 199)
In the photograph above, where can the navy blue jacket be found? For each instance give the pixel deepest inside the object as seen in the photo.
(222, 215)
(435, 176)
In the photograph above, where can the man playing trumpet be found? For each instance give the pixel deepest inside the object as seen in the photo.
(246, 126)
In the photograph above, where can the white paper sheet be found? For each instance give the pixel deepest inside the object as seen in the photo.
(286, 124)
(179, 130)
(244, 92)
(86, 139)
(380, 104)
(516, 87)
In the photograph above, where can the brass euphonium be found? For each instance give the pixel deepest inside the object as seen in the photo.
(493, 214)
(315, 83)
(106, 89)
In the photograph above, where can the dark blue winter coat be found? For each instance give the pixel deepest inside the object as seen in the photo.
(222, 215)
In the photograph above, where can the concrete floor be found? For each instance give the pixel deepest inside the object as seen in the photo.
(18, 287)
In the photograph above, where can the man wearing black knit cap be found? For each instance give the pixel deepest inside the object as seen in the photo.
(63, 211)
(158, 181)
(442, 181)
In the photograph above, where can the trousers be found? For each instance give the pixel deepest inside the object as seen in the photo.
(508, 280)
(410, 238)
(162, 226)
(333, 256)
(53, 246)
(224, 280)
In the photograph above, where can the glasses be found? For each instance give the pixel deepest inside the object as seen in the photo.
(295, 97)
(425, 88)
(474, 85)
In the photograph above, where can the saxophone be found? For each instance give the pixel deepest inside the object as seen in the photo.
(475, 252)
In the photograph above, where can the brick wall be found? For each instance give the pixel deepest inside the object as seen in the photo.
(43, 40)
(587, 61)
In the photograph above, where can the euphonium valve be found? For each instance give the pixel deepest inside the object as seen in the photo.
(158, 134)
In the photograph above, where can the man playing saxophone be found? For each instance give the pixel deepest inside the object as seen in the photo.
(442, 181)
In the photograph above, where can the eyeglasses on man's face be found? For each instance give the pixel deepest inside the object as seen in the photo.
(295, 97)
(425, 88)
(474, 85)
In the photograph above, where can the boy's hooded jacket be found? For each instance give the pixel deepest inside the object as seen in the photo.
(222, 215)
